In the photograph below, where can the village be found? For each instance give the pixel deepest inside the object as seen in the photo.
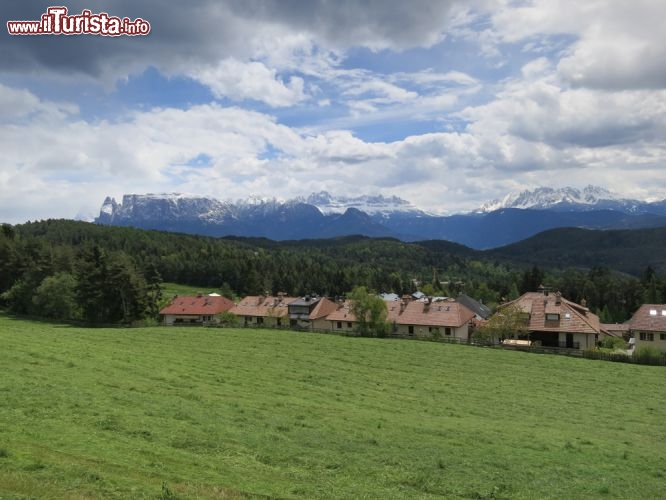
(548, 319)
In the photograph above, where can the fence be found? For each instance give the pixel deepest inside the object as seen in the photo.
(625, 358)
(535, 348)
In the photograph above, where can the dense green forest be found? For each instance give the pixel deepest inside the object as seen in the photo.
(74, 270)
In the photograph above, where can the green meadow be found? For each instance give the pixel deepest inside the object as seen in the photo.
(232, 413)
(171, 289)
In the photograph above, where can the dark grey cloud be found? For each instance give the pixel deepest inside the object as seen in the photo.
(205, 31)
(640, 69)
(196, 31)
(378, 23)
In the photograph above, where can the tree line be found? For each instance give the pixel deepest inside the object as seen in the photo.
(74, 270)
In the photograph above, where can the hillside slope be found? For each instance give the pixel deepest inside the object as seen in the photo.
(208, 413)
(629, 251)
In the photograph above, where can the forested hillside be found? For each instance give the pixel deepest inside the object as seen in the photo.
(76, 270)
(629, 251)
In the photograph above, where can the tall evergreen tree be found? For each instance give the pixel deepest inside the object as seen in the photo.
(92, 277)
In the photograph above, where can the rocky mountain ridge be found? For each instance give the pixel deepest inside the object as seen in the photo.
(322, 215)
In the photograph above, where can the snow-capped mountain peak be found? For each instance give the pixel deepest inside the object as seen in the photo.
(547, 198)
(370, 204)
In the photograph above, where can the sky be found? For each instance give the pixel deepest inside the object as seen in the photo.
(448, 104)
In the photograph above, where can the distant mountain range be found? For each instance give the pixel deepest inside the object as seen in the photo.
(321, 215)
(572, 200)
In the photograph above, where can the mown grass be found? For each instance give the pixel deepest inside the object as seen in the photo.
(171, 289)
(222, 413)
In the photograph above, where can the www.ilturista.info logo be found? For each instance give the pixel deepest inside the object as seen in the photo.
(55, 21)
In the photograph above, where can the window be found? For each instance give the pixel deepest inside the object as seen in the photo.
(349, 324)
(662, 336)
(339, 325)
(552, 317)
(279, 322)
(410, 329)
(260, 320)
(653, 312)
(447, 331)
(647, 336)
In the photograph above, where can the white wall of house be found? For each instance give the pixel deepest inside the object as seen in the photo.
(584, 340)
(341, 326)
(658, 339)
(188, 319)
(321, 324)
(267, 321)
(460, 333)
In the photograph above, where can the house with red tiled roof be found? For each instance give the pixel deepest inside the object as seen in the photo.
(309, 313)
(555, 321)
(413, 318)
(264, 310)
(342, 319)
(648, 326)
(195, 310)
(446, 319)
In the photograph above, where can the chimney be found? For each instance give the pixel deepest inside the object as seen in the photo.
(558, 298)
(403, 304)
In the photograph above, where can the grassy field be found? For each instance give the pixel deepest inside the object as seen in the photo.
(171, 289)
(221, 413)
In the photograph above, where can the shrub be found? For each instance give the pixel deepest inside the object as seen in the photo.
(613, 343)
(227, 318)
(649, 354)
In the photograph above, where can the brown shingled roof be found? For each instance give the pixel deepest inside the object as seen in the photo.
(263, 306)
(649, 317)
(323, 308)
(443, 313)
(198, 305)
(573, 318)
(342, 312)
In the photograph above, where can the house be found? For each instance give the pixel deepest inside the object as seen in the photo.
(444, 318)
(195, 310)
(342, 319)
(310, 313)
(648, 326)
(481, 311)
(264, 310)
(557, 322)
(412, 318)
